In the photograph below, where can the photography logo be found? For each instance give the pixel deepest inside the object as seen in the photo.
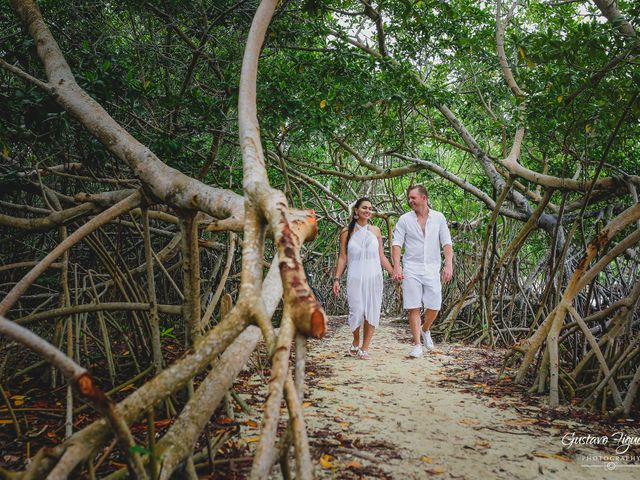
(621, 450)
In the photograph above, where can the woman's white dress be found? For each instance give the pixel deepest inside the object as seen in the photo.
(364, 278)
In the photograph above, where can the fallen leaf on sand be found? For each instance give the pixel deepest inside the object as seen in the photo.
(250, 423)
(469, 421)
(436, 471)
(426, 459)
(552, 455)
(325, 461)
(307, 404)
(252, 439)
(563, 458)
(353, 464)
(482, 444)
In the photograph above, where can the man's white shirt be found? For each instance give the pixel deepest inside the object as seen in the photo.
(422, 250)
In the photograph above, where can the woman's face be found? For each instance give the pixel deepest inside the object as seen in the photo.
(364, 210)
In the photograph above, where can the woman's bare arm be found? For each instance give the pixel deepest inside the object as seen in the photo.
(342, 261)
(386, 264)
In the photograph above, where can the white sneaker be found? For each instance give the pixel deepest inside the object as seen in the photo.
(426, 339)
(416, 352)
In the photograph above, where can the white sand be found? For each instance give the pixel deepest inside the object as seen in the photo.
(394, 417)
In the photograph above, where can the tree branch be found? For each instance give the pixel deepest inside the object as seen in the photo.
(25, 76)
(166, 183)
(609, 9)
(93, 224)
(55, 219)
(82, 381)
(465, 185)
(502, 57)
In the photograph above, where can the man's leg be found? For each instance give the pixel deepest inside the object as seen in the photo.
(429, 317)
(414, 324)
(412, 294)
(432, 300)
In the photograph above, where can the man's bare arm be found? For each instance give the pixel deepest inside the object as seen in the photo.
(447, 271)
(397, 269)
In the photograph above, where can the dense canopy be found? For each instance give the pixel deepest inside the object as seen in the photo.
(151, 192)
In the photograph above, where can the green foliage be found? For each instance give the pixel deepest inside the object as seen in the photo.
(167, 332)
(169, 73)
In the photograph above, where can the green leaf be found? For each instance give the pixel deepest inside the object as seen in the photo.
(139, 449)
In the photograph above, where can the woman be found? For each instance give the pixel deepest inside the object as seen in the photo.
(361, 251)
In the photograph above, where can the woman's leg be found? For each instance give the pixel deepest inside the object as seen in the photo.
(356, 336)
(368, 335)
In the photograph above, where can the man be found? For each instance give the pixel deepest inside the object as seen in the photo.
(423, 232)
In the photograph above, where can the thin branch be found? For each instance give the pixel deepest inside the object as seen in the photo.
(25, 76)
(358, 157)
(55, 219)
(179, 441)
(79, 377)
(464, 184)
(89, 227)
(97, 307)
(502, 57)
(375, 15)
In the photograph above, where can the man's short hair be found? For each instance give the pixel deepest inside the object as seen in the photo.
(420, 188)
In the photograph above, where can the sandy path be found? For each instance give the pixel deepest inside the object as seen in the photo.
(395, 417)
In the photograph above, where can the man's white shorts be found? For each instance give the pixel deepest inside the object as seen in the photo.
(419, 290)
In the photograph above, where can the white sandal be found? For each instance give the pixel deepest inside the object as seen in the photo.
(354, 350)
(363, 354)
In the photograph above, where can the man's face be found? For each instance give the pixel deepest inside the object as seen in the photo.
(416, 200)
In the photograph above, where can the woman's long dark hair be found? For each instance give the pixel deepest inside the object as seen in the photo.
(352, 223)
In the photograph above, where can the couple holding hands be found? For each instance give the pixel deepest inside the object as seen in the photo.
(423, 232)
